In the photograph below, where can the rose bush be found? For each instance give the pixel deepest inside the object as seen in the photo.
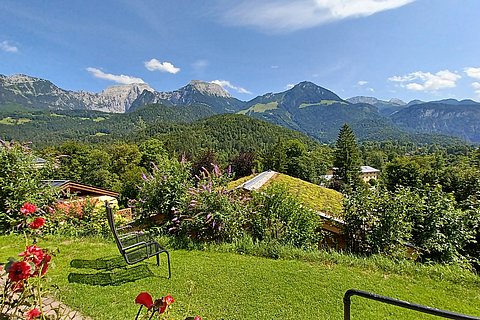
(24, 278)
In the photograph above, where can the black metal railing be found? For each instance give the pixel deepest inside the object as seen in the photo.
(399, 303)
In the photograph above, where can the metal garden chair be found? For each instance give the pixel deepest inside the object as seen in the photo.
(135, 246)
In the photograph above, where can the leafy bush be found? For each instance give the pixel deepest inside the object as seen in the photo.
(378, 221)
(20, 182)
(165, 189)
(211, 213)
(78, 217)
(278, 216)
(439, 227)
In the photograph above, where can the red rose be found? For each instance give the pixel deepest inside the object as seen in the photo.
(28, 208)
(46, 260)
(34, 254)
(19, 271)
(163, 307)
(168, 300)
(197, 318)
(37, 223)
(18, 287)
(34, 313)
(144, 298)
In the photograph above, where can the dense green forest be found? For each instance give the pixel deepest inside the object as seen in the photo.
(47, 127)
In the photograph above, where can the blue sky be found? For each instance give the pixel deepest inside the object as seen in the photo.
(407, 49)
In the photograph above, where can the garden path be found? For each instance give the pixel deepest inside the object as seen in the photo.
(52, 309)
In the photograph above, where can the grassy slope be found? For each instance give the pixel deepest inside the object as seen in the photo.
(231, 286)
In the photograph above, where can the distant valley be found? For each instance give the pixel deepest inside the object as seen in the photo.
(307, 108)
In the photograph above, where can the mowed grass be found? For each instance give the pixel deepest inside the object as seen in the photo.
(219, 285)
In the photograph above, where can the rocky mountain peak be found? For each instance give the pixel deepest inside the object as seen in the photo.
(311, 92)
(397, 101)
(21, 78)
(127, 89)
(208, 88)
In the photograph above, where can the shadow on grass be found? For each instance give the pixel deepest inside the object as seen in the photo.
(116, 272)
(101, 263)
(112, 278)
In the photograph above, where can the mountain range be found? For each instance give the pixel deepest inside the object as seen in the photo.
(307, 107)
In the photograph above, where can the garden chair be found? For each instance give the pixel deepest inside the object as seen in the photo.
(135, 246)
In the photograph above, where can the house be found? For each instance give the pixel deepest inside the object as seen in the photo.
(368, 173)
(331, 226)
(74, 195)
(78, 192)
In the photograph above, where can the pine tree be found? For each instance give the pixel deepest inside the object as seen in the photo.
(347, 159)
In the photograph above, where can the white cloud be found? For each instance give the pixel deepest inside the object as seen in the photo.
(426, 81)
(226, 84)
(362, 82)
(155, 65)
(476, 87)
(274, 67)
(122, 79)
(7, 47)
(288, 15)
(473, 72)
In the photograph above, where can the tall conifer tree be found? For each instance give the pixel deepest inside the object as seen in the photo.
(347, 159)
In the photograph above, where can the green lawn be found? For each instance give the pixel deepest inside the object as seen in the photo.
(232, 286)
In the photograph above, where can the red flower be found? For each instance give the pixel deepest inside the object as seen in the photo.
(34, 254)
(163, 307)
(19, 271)
(46, 260)
(28, 208)
(197, 318)
(37, 223)
(18, 287)
(144, 298)
(34, 313)
(168, 300)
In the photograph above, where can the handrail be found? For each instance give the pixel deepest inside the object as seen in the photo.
(400, 303)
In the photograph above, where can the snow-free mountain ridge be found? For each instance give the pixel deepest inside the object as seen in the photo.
(305, 107)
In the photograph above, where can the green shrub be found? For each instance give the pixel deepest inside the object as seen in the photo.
(212, 212)
(78, 218)
(439, 227)
(379, 221)
(20, 182)
(376, 221)
(165, 189)
(277, 216)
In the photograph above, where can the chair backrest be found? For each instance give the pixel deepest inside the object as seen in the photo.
(111, 223)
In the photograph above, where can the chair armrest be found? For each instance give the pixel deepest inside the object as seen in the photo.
(131, 234)
(125, 226)
(138, 244)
